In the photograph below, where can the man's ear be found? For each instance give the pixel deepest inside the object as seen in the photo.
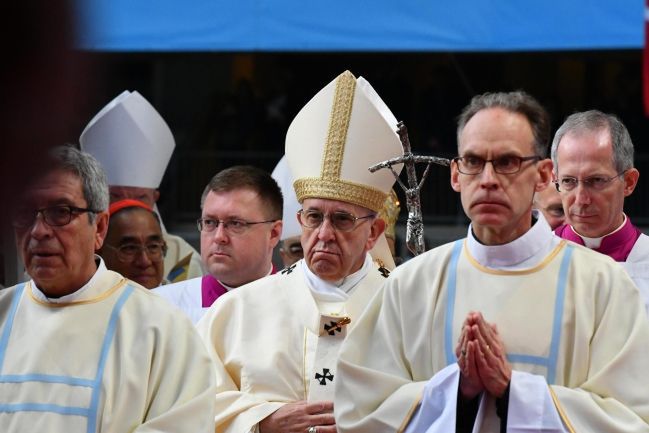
(276, 232)
(544, 168)
(156, 196)
(101, 224)
(631, 177)
(376, 229)
(455, 177)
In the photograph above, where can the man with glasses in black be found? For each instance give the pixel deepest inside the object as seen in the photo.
(135, 245)
(275, 341)
(240, 225)
(511, 328)
(592, 154)
(81, 347)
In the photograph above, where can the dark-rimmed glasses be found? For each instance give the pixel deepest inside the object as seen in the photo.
(341, 221)
(155, 251)
(596, 183)
(509, 164)
(54, 216)
(233, 226)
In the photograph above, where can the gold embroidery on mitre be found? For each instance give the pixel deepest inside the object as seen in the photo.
(337, 189)
(341, 112)
(390, 213)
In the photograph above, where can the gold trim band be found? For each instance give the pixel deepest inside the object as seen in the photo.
(341, 111)
(98, 298)
(336, 189)
(562, 413)
(536, 268)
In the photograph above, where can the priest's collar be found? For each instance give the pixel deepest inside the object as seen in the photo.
(526, 251)
(75, 296)
(339, 290)
(594, 243)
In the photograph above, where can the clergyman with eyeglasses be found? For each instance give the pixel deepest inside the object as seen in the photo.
(81, 347)
(509, 329)
(240, 225)
(275, 341)
(135, 245)
(593, 166)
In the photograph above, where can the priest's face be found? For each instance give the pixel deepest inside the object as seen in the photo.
(58, 256)
(291, 250)
(593, 211)
(331, 253)
(549, 203)
(134, 246)
(237, 255)
(499, 205)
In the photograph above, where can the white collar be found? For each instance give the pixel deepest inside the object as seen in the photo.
(525, 251)
(594, 243)
(76, 295)
(338, 291)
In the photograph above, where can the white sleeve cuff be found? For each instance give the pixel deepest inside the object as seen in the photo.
(531, 407)
(437, 409)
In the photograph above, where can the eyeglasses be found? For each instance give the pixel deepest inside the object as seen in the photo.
(155, 251)
(54, 216)
(235, 227)
(595, 183)
(509, 164)
(341, 221)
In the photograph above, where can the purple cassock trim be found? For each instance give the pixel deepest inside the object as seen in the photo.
(617, 245)
(211, 289)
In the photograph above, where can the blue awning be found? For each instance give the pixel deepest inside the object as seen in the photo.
(348, 25)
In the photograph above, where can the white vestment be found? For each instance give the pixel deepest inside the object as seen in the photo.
(111, 358)
(186, 295)
(182, 261)
(637, 265)
(265, 335)
(571, 320)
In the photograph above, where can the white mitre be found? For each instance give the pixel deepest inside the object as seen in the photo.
(131, 141)
(342, 131)
(282, 175)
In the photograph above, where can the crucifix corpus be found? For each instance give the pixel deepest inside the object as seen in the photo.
(415, 223)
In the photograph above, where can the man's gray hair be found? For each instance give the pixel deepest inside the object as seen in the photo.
(516, 102)
(88, 169)
(592, 121)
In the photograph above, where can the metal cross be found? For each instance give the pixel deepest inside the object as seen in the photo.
(415, 223)
(337, 326)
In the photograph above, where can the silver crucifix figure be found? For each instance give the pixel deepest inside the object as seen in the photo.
(415, 223)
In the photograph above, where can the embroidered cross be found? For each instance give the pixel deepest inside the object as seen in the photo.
(326, 375)
(337, 326)
(289, 269)
(384, 272)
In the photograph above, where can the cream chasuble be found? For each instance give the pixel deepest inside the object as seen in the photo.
(111, 357)
(266, 339)
(574, 321)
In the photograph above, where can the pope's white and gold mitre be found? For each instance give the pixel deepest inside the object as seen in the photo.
(131, 141)
(344, 129)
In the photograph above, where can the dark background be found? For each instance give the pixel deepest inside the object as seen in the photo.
(227, 109)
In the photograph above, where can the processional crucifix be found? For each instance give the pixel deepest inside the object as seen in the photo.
(415, 223)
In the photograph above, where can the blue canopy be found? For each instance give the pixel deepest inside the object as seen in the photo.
(348, 25)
